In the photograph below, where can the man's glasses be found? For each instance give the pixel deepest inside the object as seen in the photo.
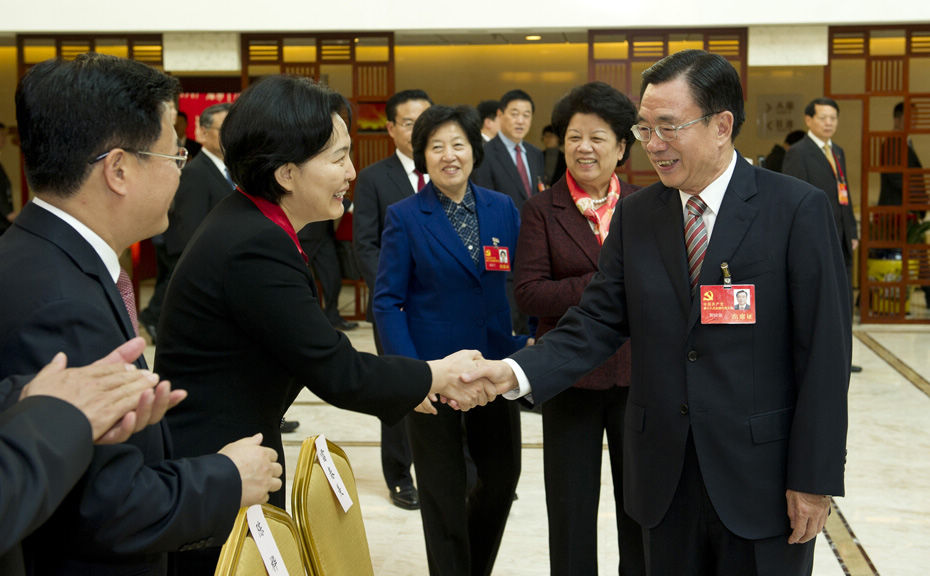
(180, 159)
(665, 133)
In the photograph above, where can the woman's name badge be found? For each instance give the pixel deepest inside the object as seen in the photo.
(497, 258)
(728, 304)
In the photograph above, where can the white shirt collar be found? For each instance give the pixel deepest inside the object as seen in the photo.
(820, 143)
(216, 160)
(107, 254)
(712, 195)
(406, 162)
(510, 144)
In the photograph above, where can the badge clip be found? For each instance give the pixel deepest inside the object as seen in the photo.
(727, 280)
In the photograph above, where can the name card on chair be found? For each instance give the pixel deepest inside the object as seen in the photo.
(332, 475)
(261, 533)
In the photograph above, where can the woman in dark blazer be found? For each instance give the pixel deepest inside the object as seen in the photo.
(441, 286)
(563, 230)
(242, 330)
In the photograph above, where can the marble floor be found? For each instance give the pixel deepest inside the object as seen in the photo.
(881, 526)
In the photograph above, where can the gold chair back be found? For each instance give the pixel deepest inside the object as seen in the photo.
(240, 556)
(335, 541)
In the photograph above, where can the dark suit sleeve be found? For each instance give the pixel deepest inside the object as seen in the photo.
(822, 345)
(392, 288)
(366, 227)
(266, 284)
(191, 205)
(45, 446)
(536, 290)
(587, 334)
(10, 389)
(127, 503)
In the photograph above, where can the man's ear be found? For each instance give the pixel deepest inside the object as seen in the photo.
(117, 170)
(284, 175)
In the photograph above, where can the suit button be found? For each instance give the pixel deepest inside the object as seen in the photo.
(692, 355)
(684, 409)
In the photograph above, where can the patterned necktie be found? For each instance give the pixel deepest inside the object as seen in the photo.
(521, 168)
(229, 178)
(695, 238)
(421, 182)
(124, 285)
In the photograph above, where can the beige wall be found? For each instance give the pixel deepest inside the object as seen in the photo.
(468, 74)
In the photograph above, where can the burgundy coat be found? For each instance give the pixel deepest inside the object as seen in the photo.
(558, 255)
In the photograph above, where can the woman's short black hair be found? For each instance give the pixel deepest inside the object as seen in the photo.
(434, 117)
(605, 102)
(278, 120)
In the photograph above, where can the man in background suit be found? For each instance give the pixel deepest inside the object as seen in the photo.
(180, 127)
(490, 126)
(204, 182)
(736, 433)
(820, 161)
(513, 166)
(378, 186)
(103, 182)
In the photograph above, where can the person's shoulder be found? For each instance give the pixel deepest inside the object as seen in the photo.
(380, 166)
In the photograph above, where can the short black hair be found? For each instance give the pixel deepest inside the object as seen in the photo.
(794, 136)
(811, 108)
(548, 129)
(896, 113)
(279, 119)
(488, 109)
(434, 117)
(714, 83)
(605, 102)
(206, 117)
(738, 292)
(70, 112)
(390, 109)
(182, 114)
(515, 95)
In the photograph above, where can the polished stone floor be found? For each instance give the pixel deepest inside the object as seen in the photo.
(882, 526)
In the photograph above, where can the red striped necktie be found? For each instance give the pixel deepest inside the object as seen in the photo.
(695, 238)
(124, 285)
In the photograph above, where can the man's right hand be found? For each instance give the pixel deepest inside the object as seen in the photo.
(497, 372)
(258, 468)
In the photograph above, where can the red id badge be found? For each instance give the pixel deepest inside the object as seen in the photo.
(735, 304)
(842, 193)
(497, 258)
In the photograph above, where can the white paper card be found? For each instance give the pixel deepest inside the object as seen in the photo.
(335, 480)
(261, 533)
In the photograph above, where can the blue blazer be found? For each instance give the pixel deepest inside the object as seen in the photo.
(430, 298)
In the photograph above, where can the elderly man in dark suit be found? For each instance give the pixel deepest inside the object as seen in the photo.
(380, 185)
(820, 161)
(513, 166)
(735, 433)
(204, 182)
(103, 182)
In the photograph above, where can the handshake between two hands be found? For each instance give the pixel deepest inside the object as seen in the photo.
(465, 379)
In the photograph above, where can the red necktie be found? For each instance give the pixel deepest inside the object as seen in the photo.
(421, 182)
(695, 237)
(521, 168)
(124, 285)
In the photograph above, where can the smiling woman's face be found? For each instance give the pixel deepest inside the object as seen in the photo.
(449, 160)
(316, 187)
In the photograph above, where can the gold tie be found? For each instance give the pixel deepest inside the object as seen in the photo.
(828, 151)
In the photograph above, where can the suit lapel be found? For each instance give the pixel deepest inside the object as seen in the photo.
(506, 164)
(398, 176)
(438, 225)
(730, 227)
(43, 223)
(668, 227)
(576, 226)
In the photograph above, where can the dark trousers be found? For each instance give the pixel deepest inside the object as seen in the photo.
(463, 528)
(691, 540)
(395, 447)
(574, 423)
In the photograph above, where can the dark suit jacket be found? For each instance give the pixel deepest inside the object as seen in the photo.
(133, 504)
(378, 186)
(430, 298)
(242, 331)
(45, 447)
(765, 403)
(202, 187)
(498, 171)
(193, 147)
(892, 183)
(806, 161)
(558, 257)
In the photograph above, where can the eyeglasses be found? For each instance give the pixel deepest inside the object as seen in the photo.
(665, 133)
(180, 159)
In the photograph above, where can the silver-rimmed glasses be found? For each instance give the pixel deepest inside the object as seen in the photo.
(665, 133)
(180, 159)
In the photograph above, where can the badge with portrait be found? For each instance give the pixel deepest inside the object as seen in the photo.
(497, 258)
(734, 304)
(842, 193)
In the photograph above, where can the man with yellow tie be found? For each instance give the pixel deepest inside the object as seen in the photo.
(818, 160)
